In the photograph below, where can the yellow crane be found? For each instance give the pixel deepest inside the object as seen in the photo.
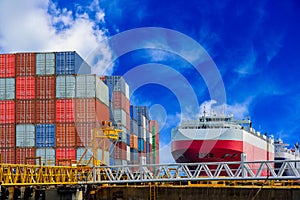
(105, 131)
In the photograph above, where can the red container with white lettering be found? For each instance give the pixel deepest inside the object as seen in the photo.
(23, 153)
(25, 64)
(25, 87)
(45, 87)
(7, 65)
(65, 110)
(7, 135)
(65, 135)
(7, 112)
(25, 111)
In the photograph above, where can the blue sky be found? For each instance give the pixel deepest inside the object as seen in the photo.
(255, 46)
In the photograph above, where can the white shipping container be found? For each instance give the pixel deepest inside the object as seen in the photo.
(143, 121)
(149, 136)
(119, 116)
(25, 135)
(128, 153)
(7, 88)
(65, 86)
(45, 64)
(127, 92)
(102, 91)
(86, 86)
(47, 155)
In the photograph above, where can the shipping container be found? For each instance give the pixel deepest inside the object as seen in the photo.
(45, 64)
(134, 155)
(65, 86)
(84, 134)
(65, 135)
(23, 153)
(25, 111)
(119, 117)
(45, 111)
(25, 87)
(7, 112)
(91, 110)
(133, 141)
(136, 112)
(65, 110)
(47, 155)
(25, 135)
(120, 151)
(45, 87)
(7, 88)
(127, 92)
(128, 152)
(142, 132)
(89, 154)
(7, 135)
(121, 102)
(111, 161)
(128, 138)
(8, 155)
(141, 144)
(133, 127)
(116, 82)
(102, 91)
(25, 64)
(65, 153)
(148, 147)
(7, 65)
(45, 135)
(70, 63)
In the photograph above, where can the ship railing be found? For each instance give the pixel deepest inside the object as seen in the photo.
(258, 170)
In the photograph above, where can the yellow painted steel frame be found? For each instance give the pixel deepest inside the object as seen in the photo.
(21, 175)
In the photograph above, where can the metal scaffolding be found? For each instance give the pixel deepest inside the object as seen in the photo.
(12, 175)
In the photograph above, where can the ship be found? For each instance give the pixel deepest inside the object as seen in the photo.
(220, 138)
(282, 152)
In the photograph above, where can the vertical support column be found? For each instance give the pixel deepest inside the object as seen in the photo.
(243, 159)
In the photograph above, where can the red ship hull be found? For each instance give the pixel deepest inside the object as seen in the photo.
(192, 151)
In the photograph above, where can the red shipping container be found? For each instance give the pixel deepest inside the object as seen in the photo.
(102, 112)
(7, 65)
(65, 110)
(7, 135)
(84, 134)
(8, 155)
(7, 112)
(91, 110)
(45, 111)
(120, 151)
(45, 87)
(22, 153)
(25, 64)
(121, 102)
(66, 135)
(25, 87)
(25, 111)
(65, 153)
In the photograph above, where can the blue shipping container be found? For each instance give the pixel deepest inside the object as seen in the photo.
(141, 145)
(45, 135)
(70, 62)
(128, 139)
(148, 147)
(134, 155)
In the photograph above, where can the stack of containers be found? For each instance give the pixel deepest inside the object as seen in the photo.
(45, 130)
(140, 114)
(153, 128)
(66, 65)
(92, 107)
(7, 108)
(120, 116)
(25, 107)
(133, 140)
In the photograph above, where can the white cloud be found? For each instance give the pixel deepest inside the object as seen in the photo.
(238, 110)
(39, 25)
